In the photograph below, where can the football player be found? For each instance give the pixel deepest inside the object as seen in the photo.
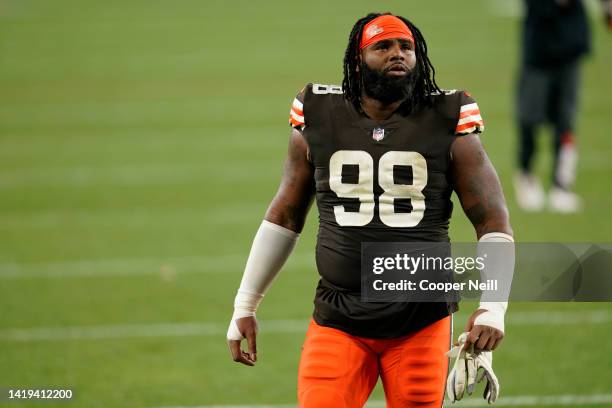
(555, 38)
(382, 155)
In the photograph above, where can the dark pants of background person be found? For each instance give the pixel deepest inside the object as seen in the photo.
(546, 95)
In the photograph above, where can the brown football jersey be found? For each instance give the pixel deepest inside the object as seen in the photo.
(383, 181)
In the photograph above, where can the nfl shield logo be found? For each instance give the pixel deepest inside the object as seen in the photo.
(378, 134)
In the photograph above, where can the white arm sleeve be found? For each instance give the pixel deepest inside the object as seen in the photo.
(499, 265)
(271, 248)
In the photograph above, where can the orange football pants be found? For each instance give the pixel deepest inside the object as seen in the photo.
(340, 370)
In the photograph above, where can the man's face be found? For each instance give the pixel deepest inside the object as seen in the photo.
(387, 68)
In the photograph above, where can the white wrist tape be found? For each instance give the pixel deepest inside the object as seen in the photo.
(499, 265)
(271, 248)
(494, 315)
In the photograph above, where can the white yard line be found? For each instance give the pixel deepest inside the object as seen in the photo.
(525, 400)
(136, 266)
(243, 214)
(268, 326)
(128, 175)
(511, 401)
(140, 330)
(516, 8)
(555, 318)
(160, 266)
(505, 8)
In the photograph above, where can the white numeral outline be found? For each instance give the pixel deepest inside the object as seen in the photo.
(364, 188)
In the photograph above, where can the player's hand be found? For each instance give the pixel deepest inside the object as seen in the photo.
(485, 338)
(246, 328)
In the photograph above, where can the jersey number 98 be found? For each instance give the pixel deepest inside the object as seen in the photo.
(364, 188)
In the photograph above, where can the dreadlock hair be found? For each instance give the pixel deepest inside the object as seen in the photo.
(424, 71)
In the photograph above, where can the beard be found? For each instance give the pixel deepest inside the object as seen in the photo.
(384, 88)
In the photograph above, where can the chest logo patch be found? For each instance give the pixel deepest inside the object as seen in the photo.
(378, 134)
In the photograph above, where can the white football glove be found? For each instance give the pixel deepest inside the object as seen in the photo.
(463, 376)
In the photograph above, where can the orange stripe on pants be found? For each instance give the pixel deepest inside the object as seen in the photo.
(340, 370)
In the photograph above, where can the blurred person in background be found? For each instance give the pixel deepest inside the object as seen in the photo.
(555, 37)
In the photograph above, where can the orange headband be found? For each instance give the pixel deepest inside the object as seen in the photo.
(383, 28)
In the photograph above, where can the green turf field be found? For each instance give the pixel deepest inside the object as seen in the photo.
(140, 142)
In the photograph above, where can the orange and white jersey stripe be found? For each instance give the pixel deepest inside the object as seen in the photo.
(470, 120)
(296, 114)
